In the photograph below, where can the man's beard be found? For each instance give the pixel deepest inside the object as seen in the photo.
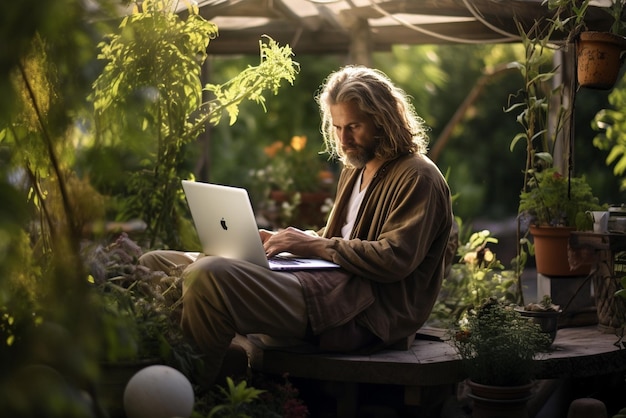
(359, 156)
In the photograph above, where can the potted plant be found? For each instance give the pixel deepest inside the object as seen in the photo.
(545, 314)
(552, 199)
(598, 52)
(478, 275)
(544, 111)
(498, 347)
(555, 205)
(541, 112)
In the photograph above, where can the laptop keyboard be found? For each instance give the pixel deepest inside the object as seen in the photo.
(285, 260)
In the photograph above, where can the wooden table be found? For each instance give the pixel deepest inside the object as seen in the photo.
(613, 242)
(431, 364)
(576, 352)
(582, 352)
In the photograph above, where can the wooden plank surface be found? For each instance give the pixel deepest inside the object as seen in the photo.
(583, 352)
(576, 352)
(613, 241)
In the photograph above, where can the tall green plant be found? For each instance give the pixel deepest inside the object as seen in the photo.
(151, 88)
(533, 103)
(533, 106)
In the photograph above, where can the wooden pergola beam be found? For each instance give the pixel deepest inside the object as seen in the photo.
(336, 28)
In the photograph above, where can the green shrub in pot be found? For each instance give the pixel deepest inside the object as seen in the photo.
(552, 199)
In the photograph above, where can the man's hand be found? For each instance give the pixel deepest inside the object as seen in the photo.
(292, 240)
(265, 234)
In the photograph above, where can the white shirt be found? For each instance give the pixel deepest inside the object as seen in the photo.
(356, 198)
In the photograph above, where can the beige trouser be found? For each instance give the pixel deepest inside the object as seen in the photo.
(222, 297)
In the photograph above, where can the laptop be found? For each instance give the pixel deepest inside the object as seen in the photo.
(226, 227)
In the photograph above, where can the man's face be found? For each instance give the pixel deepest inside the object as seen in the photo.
(356, 132)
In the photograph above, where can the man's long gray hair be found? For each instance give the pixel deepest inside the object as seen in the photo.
(402, 130)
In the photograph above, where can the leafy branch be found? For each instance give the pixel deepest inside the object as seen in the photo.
(151, 88)
(276, 64)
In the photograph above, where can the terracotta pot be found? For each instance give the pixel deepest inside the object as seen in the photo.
(551, 252)
(599, 59)
(499, 401)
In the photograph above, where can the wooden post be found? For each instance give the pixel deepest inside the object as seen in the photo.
(360, 42)
(563, 154)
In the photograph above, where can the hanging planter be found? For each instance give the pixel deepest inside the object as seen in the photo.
(599, 59)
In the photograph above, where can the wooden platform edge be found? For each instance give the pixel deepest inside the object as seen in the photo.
(576, 352)
(438, 366)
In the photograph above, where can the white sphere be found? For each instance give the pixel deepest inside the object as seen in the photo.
(158, 392)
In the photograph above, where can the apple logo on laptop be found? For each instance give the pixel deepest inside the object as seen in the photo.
(223, 224)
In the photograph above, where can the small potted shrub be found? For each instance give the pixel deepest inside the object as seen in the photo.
(554, 205)
(498, 347)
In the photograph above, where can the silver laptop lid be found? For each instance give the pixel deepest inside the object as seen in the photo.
(226, 226)
(225, 221)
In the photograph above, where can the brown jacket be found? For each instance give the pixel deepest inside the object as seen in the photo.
(393, 264)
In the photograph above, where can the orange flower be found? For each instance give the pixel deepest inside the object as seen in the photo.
(294, 166)
(273, 149)
(298, 142)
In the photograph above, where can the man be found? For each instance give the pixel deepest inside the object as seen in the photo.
(388, 231)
